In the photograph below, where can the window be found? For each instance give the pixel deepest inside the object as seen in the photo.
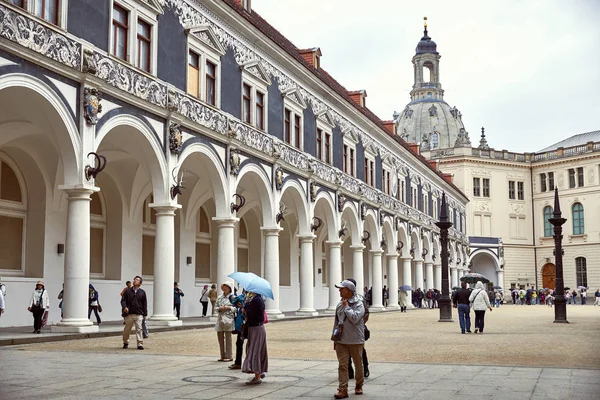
(386, 181)
(571, 178)
(211, 83)
(476, 187)
(520, 191)
(402, 193)
(578, 225)
(543, 187)
(148, 236)
(517, 227)
(348, 162)
(120, 29)
(511, 190)
(203, 245)
(292, 116)
(13, 218)
(297, 131)
(324, 145)
(550, 180)
(47, 10)
(97, 236)
(204, 68)
(486, 187)
(246, 90)
(18, 3)
(143, 45)
(581, 271)
(548, 227)
(287, 126)
(434, 140)
(369, 170)
(580, 177)
(320, 144)
(260, 110)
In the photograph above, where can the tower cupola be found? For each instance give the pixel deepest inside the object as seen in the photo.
(426, 64)
(426, 45)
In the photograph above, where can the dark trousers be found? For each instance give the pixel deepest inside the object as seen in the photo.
(479, 316)
(95, 309)
(177, 307)
(365, 361)
(38, 313)
(204, 308)
(239, 349)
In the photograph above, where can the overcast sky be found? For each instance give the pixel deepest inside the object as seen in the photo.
(527, 70)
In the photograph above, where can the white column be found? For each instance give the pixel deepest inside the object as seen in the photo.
(429, 275)
(77, 262)
(438, 276)
(164, 266)
(377, 293)
(272, 269)
(419, 274)
(357, 267)
(500, 277)
(306, 276)
(393, 282)
(454, 275)
(225, 249)
(335, 273)
(407, 278)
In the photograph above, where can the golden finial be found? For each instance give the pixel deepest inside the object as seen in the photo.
(425, 21)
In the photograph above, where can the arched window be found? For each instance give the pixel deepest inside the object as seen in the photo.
(243, 244)
(578, 227)
(548, 211)
(97, 236)
(13, 214)
(148, 237)
(434, 140)
(581, 271)
(203, 248)
(324, 272)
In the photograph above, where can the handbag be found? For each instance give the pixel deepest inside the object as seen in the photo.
(244, 331)
(99, 307)
(367, 333)
(336, 333)
(145, 333)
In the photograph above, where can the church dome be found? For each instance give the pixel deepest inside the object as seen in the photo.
(426, 45)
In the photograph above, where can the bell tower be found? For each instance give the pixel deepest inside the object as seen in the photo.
(426, 64)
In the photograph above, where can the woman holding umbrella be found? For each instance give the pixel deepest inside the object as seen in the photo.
(480, 301)
(257, 357)
(403, 300)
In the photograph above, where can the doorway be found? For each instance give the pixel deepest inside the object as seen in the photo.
(549, 276)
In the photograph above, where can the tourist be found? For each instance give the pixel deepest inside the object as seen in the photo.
(568, 297)
(257, 357)
(1, 303)
(550, 299)
(597, 296)
(574, 294)
(93, 304)
(349, 314)
(238, 323)
(462, 303)
(60, 303)
(38, 304)
(135, 309)
(385, 295)
(498, 296)
(365, 359)
(480, 303)
(403, 300)
(514, 294)
(204, 300)
(177, 295)
(583, 297)
(212, 296)
(224, 324)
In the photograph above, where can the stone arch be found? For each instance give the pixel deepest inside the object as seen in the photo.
(427, 246)
(372, 227)
(67, 146)
(390, 234)
(254, 181)
(416, 245)
(325, 205)
(293, 192)
(403, 236)
(350, 215)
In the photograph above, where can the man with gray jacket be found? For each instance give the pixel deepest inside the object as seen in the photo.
(349, 315)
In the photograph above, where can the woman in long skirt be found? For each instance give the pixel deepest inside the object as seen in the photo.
(257, 358)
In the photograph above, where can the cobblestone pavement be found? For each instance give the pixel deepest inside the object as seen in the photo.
(522, 354)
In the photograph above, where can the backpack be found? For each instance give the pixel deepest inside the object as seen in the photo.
(3, 289)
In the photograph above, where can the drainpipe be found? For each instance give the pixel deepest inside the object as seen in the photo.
(533, 229)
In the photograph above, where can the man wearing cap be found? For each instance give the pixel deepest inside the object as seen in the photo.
(365, 359)
(349, 315)
(135, 310)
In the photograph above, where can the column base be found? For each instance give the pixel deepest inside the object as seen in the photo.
(307, 313)
(75, 326)
(375, 309)
(275, 314)
(391, 308)
(329, 311)
(163, 320)
(212, 319)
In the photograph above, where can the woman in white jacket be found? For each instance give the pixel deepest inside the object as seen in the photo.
(480, 301)
(38, 304)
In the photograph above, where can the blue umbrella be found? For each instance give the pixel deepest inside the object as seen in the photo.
(253, 283)
(405, 288)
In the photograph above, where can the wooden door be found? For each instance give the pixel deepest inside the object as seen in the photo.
(549, 276)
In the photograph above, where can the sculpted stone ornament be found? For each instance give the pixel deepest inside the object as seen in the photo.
(313, 192)
(89, 64)
(433, 111)
(91, 105)
(463, 139)
(408, 112)
(234, 162)
(175, 139)
(341, 201)
(278, 178)
(363, 211)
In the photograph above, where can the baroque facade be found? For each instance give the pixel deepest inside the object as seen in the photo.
(185, 140)
(510, 194)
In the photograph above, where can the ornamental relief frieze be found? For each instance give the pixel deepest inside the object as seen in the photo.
(31, 34)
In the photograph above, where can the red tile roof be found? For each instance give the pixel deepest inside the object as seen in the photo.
(274, 35)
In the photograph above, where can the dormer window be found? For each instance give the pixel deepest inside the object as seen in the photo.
(204, 65)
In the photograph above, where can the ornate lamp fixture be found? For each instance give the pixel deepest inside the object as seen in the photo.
(316, 224)
(399, 246)
(343, 230)
(99, 165)
(424, 253)
(239, 202)
(176, 188)
(282, 211)
(383, 243)
(365, 237)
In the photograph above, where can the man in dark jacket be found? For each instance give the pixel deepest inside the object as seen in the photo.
(461, 301)
(135, 310)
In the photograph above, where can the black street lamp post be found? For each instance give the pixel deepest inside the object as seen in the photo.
(560, 309)
(444, 224)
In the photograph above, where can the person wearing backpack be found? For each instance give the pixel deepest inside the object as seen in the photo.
(38, 304)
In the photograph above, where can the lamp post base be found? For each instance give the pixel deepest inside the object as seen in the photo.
(445, 310)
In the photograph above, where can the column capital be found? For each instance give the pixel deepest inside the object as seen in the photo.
(271, 230)
(227, 222)
(81, 192)
(420, 260)
(393, 255)
(306, 238)
(164, 208)
(428, 262)
(358, 248)
(334, 243)
(376, 252)
(406, 259)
